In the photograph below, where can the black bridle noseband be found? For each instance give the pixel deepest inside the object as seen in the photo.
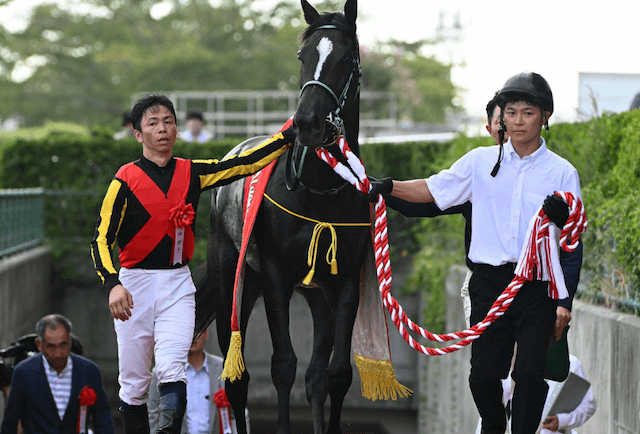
(334, 120)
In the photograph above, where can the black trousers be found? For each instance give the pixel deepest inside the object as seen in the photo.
(529, 322)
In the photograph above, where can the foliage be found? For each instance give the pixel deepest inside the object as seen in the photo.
(48, 128)
(612, 242)
(422, 85)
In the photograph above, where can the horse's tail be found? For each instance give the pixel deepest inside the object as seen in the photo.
(205, 313)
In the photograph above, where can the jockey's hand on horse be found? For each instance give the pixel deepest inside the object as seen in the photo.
(289, 135)
(556, 209)
(379, 186)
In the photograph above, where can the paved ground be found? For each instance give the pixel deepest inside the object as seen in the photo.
(361, 421)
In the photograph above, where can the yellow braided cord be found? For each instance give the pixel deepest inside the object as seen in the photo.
(378, 380)
(313, 245)
(312, 253)
(309, 219)
(332, 251)
(234, 363)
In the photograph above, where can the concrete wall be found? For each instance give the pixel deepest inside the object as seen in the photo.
(25, 294)
(446, 405)
(607, 343)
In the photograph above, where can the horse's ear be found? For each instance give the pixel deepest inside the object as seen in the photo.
(351, 12)
(310, 13)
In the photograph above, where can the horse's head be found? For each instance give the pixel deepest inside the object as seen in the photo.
(329, 74)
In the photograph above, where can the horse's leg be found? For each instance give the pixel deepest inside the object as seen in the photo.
(283, 361)
(222, 259)
(238, 390)
(323, 335)
(340, 372)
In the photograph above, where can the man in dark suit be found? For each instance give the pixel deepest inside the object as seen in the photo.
(46, 387)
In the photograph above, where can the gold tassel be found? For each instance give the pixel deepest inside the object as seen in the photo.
(378, 380)
(307, 280)
(334, 266)
(234, 363)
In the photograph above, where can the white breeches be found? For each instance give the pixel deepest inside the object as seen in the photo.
(161, 324)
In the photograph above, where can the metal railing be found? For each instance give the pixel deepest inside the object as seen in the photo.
(21, 219)
(250, 113)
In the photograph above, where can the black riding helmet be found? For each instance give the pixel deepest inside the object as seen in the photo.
(526, 86)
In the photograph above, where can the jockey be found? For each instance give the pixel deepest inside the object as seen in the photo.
(505, 196)
(149, 208)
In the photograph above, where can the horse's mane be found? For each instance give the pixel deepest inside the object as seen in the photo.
(331, 18)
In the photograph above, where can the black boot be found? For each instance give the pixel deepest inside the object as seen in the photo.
(169, 421)
(171, 407)
(135, 418)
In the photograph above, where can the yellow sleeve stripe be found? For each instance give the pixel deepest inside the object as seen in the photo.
(210, 161)
(104, 250)
(244, 169)
(247, 169)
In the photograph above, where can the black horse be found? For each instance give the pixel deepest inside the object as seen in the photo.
(302, 189)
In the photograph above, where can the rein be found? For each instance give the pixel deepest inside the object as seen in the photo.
(312, 253)
(536, 259)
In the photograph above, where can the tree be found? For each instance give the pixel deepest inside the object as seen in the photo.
(88, 63)
(422, 84)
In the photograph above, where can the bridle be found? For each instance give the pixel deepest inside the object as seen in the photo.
(334, 121)
(356, 71)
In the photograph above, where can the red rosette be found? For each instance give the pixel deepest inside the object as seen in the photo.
(182, 215)
(87, 396)
(220, 399)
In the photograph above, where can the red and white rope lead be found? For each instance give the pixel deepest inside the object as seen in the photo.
(537, 257)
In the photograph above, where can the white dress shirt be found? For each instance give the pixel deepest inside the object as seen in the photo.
(502, 205)
(198, 397)
(204, 136)
(60, 384)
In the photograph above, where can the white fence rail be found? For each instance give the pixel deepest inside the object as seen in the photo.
(251, 113)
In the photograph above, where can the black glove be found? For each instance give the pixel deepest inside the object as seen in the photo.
(556, 209)
(379, 186)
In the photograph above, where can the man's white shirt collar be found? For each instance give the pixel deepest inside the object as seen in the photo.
(536, 156)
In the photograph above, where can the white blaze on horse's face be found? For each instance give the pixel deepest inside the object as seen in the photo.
(325, 47)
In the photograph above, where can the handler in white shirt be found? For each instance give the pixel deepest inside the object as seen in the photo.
(506, 185)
